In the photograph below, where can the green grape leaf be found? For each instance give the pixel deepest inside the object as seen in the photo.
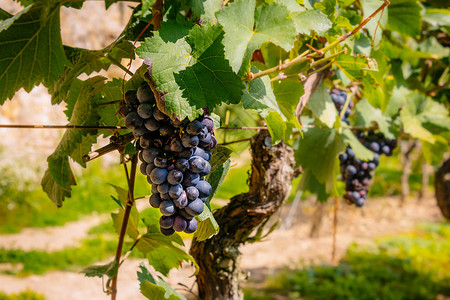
(219, 155)
(292, 5)
(246, 30)
(434, 152)
(322, 106)
(319, 159)
(288, 93)
(155, 288)
(413, 126)
(205, 9)
(3, 16)
(258, 95)
(353, 67)
(276, 126)
(310, 183)
(32, 50)
(110, 104)
(437, 16)
(367, 114)
(56, 192)
(216, 178)
(405, 17)
(86, 61)
(163, 252)
(81, 112)
(311, 20)
(375, 27)
(207, 225)
(350, 139)
(133, 221)
(109, 270)
(192, 72)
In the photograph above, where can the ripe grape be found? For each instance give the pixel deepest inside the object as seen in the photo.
(175, 157)
(357, 173)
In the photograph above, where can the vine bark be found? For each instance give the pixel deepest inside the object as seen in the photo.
(272, 171)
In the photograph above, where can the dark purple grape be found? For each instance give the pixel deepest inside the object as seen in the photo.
(192, 193)
(182, 164)
(159, 115)
(175, 191)
(179, 224)
(145, 142)
(175, 177)
(350, 153)
(190, 179)
(160, 162)
(165, 196)
(207, 140)
(189, 141)
(145, 110)
(151, 124)
(187, 153)
(163, 188)
(166, 130)
(204, 188)
(208, 123)
(181, 201)
(140, 131)
(145, 94)
(167, 232)
(195, 207)
(167, 208)
(343, 157)
(182, 212)
(143, 167)
(133, 120)
(350, 170)
(158, 175)
(374, 146)
(203, 133)
(207, 155)
(206, 170)
(154, 189)
(176, 146)
(149, 169)
(131, 99)
(191, 226)
(194, 128)
(371, 166)
(166, 222)
(155, 200)
(386, 150)
(149, 155)
(197, 164)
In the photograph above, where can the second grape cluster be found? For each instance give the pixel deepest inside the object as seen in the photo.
(175, 157)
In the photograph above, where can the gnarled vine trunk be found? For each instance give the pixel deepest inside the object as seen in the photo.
(442, 185)
(270, 184)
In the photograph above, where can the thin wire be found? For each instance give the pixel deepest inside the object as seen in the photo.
(31, 126)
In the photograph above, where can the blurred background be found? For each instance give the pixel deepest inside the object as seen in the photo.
(396, 247)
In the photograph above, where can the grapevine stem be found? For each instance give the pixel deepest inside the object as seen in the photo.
(307, 54)
(115, 62)
(322, 60)
(126, 216)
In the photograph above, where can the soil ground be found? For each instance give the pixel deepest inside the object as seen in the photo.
(284, 247)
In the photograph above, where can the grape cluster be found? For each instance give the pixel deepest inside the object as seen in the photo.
(357, 173)
(339, 98)
(175, 157)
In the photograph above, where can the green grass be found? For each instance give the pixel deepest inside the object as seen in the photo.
(27, 295)
(409, 266)
(92, 193)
